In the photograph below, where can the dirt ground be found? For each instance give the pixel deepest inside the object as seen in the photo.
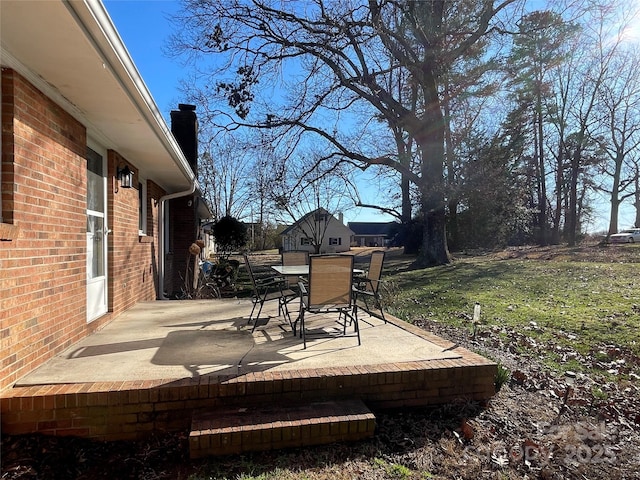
(538, 426)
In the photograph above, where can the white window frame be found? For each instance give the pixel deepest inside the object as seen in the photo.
(142, 207)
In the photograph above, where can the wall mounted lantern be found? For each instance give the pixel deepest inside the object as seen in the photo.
(125, 175)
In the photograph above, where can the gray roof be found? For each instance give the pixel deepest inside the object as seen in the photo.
(371, 228)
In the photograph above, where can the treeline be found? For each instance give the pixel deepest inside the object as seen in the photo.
(476, 124)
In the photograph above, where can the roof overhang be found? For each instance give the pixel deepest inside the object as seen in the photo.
(73, 53)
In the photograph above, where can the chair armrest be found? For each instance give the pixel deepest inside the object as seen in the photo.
(269, 281)
(361, 289)
(304, 295)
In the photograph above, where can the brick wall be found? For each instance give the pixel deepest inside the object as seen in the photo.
(184, 232)
(43, 259)
(132, 410)
(133, 259)
(43, 269)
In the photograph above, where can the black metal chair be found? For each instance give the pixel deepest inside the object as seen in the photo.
(367, 287)
(267, 289)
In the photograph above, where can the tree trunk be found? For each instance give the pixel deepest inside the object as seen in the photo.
(557, 216)
(615, 193)
(404, 153)
(452, 203)
(637, 198)
(542, 200)
(572, 214)
(434, 250)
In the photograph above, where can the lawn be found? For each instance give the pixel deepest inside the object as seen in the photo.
(568, 303)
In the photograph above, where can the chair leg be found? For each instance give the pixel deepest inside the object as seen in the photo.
(376, 304)
(381, 311)
(285, 307)
(355, 323)
(255, 323)
(353, 317)
(366, 303)
(255, 302)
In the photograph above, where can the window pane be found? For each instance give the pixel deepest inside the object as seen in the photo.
(140, 209)
(95, 182)
(95, 235)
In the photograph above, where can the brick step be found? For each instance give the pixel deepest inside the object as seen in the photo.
(233, 430)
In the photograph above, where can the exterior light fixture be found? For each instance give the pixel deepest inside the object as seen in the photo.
(125, 175)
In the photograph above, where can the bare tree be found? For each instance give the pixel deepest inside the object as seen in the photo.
(620, 133)
(636, 202)
(309, 66)
(538, 49)
(225, 168)
(600, 42)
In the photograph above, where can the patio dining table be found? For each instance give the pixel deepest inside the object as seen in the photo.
(301, 270)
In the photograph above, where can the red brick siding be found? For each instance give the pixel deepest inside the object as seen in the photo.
(183, 233)
(133, 260)
(43, 266)
(7, 150)
(43, 269)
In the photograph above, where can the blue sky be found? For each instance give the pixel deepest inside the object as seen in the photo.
(145, 28)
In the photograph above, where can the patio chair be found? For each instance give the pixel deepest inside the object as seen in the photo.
(267, 289)
(294, 257)
(367, 287)
(329, 290)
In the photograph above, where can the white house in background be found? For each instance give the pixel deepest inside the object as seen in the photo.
(317, 232)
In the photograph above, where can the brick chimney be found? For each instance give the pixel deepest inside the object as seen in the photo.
(184, 126)
(183, 216)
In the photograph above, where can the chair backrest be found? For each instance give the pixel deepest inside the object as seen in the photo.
(375, 270)
(252, 277)
(330, 281)
(294, 257)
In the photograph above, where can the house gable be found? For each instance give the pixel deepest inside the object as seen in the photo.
(314, 227)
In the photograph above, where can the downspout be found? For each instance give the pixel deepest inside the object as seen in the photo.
(161, 214)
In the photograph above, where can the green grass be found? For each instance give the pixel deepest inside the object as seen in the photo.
(576, 304)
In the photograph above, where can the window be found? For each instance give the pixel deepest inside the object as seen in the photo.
(335, 241)
(305, 241)
(142, 208)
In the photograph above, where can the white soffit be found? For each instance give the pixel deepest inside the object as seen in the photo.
(71, 50)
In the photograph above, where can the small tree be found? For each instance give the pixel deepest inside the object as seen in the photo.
(230, 235)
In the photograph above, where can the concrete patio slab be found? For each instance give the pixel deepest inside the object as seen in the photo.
(195, 338)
